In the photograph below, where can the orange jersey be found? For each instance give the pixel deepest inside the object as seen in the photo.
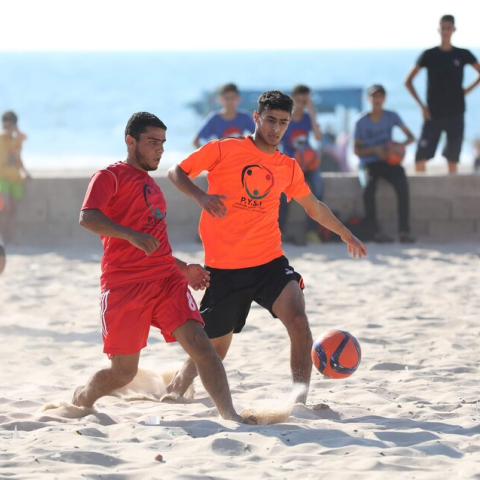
(252, 180)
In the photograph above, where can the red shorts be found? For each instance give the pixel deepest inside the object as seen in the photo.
(128, 311)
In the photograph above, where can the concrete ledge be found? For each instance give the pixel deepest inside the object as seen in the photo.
(442, 207)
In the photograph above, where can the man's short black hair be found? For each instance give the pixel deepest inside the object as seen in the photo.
(448, 18)
(228, 88)
(140, 121)
(10, 117)
(275, 100)
(300, 90)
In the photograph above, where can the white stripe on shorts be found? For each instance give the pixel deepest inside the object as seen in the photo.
(103, 310)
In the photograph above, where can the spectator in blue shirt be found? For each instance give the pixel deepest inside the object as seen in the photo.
(226, 122)
(379, 158)
(296, 144)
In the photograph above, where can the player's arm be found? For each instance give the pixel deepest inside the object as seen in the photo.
(197, 276)
(196, 142)
(409, 84)
(212, 204)
(317, 133)
(21, 166)
(324, 216)
(379, 150)
(97, 222)
(467, 90)
(410, 138)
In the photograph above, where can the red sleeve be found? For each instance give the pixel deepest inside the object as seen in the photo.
(298, 188)
(203, 159)
(101, 189)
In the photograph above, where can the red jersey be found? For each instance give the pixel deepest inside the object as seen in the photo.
(130, 197)
(252, 180)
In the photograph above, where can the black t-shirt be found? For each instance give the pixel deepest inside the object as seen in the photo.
(445, 97)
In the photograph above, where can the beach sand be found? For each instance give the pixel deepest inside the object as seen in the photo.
(411, 411)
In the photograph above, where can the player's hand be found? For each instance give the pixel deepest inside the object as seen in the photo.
(426, 113)
(144, 241)
(197, 276)
(355, 247)
(213, 205)
(396, 149)
(382, 152)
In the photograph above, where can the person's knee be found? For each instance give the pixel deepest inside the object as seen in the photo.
(298, 326)
(125, 372)
(196, 342)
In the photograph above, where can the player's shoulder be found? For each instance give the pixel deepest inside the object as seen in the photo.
(362, 117)
(233, 142)
(213, 116)
(243, 113)
(463, 51)
(390, 113)
(114, 171)
(117, 168)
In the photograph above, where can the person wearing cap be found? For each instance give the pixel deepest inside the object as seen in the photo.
(373, 145)
(445, 108)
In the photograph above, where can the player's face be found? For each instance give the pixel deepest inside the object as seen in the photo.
(148, 150)
(300, 100)
(229, 100)
(377, 100)
(446, 30)
(271, 125)
(8, 126)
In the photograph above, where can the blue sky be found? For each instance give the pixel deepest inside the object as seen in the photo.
(29, 25)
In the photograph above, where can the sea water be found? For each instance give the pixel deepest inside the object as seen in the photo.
(74, 106)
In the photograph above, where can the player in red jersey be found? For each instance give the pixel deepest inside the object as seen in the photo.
(142, 283)
(241, 237)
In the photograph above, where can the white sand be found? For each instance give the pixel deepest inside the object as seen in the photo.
(411, 411)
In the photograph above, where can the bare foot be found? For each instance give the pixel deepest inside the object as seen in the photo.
(244, 418)
(171, 398)
(76, 399)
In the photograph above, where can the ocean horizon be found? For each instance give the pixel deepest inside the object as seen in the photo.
(74, 105)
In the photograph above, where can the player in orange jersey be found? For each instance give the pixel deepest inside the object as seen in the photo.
(241, 237)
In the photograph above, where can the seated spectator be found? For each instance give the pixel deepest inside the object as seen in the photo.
(380, 158)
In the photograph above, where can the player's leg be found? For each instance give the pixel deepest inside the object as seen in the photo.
(121, 372)
(279, 289)
(396, 176)
(186, 375)
(427, 144)
(195, 342)
(289, 307)
(126, 313)
(224, 311)
(454, 129)
(372, 173)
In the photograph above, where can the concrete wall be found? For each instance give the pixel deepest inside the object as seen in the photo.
(442, 207)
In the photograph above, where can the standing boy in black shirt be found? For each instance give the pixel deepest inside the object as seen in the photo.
(445, 106)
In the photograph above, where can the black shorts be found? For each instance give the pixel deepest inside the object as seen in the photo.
(226, 303)
(431, 131)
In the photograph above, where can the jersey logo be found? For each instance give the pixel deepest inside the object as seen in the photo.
(456, 62)
(147, 191)
(257, 181)
(289, 271)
